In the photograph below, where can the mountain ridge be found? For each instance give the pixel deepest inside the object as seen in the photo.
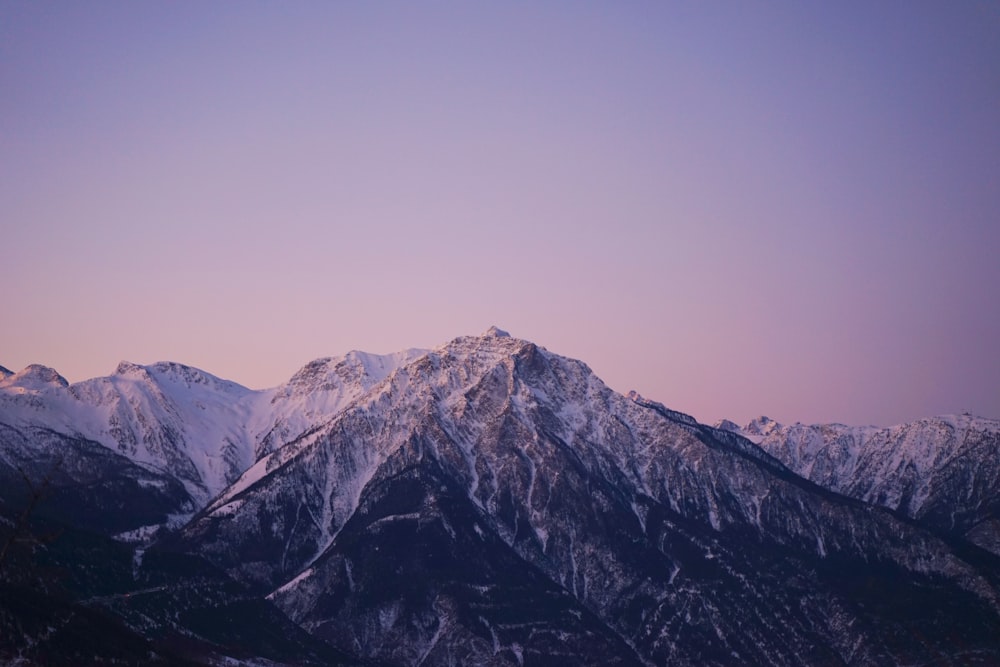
(491, 502)
(943, 470)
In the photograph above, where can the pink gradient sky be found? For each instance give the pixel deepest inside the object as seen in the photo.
(733, 208)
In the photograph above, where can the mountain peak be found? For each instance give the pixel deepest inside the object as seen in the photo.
(412, 507)
(35, 376)
(190, 376)
(5, 372)
(496, 332)
(360, 370)
(377, 367)
(727, 425)
(492, 342)
(128, 368)
(761, 426)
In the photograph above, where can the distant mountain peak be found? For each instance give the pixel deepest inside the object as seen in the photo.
(355, 367)
(128, 368)
(761, 426)
(191, 376)
(175, 368)
(33, 377)
(496, 332)
(941, 470)
(727, 425)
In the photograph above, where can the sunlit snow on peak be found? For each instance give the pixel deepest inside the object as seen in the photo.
(496, 332)
(33, 377)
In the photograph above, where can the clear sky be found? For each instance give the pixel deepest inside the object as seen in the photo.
(780, 208)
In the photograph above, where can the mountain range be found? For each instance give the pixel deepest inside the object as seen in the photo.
(485, 502)
(942, 471)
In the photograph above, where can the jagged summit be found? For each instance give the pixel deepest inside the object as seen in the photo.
(129, 368)
(5, 372)
(189, 376)
(174, 372)
(489, 348)
(492, 502)
(496, 332)
(760, 426)
(727, 425)
(944, 470)
(34, 377)
(351, 373)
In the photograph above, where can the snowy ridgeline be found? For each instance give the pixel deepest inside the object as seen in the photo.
(943, 470)
(491, 502)
(204, 430)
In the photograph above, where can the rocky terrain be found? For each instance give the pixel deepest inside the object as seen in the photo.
(942, 471)
(486, 502)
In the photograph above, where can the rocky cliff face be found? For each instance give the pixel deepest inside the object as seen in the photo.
(942, 471)
(490, 502)
(166, 417)
(183, 422)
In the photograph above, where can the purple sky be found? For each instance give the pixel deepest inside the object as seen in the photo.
(733, 208)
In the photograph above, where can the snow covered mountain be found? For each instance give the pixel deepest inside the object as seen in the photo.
(184, 422)
(943, 471)
(490, 502)
(315, 394)
(166, 418)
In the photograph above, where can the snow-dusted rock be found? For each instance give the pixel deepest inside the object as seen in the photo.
(943, 471)
(491, 502)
